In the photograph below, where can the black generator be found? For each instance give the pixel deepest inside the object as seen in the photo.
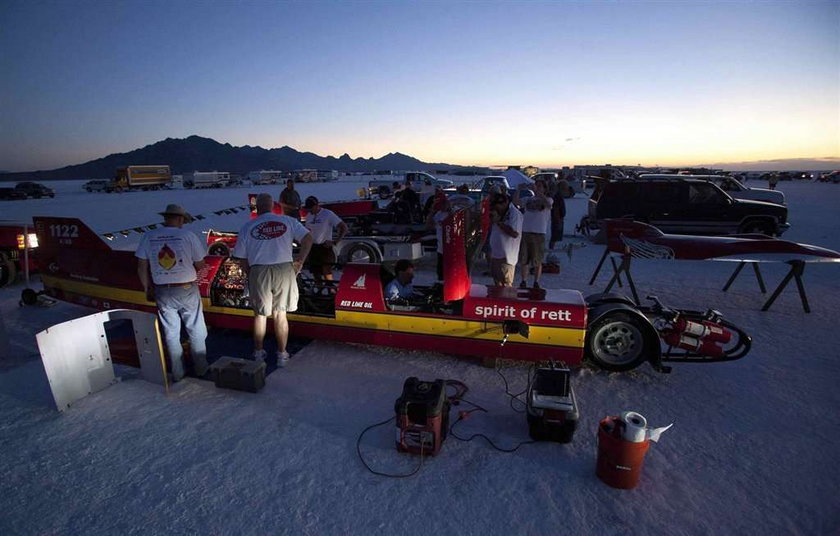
(551, 406)
(422, 416)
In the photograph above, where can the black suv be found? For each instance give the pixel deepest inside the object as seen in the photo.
(685, 207)
(33, 189)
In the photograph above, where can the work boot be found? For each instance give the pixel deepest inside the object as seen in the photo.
(282, 359)
(259, 356)
(537, 285)
(523, 284)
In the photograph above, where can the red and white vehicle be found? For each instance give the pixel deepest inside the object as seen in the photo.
(18, 243)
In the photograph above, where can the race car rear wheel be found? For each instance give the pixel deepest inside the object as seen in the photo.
(219, 249)
(362, 253)
(616, 342)
(8, 272)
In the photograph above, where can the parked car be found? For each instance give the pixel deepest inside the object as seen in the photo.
(33, 189)
(11, 194)
(729, 185)
(687, 206)
(98, 185)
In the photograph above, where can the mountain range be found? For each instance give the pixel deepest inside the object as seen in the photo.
(195, 153)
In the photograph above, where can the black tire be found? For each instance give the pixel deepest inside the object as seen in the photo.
(616, 342)
(220, 249)
(757, 227)
(362, 253)
(8, 271)
(384, 192)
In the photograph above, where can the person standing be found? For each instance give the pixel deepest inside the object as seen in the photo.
(173, 256)
(441, 209)
(290, 200)
(505, 237)
(535, 223)
(773, 180)
(266, 245)
(321, 223)
(558, 215)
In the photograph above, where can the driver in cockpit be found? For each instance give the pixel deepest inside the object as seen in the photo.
(401, 289)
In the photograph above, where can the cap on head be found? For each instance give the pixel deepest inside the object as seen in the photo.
(176, 210)
(311, 201)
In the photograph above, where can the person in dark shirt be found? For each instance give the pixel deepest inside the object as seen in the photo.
(558, 214)
(290, 200)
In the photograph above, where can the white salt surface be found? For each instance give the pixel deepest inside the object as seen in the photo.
(754, 448)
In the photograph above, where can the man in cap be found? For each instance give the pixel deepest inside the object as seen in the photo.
(321, 223)
(266, 245)
(173, 256)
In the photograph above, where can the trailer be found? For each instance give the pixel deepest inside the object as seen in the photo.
(210, 179)
(141, 178)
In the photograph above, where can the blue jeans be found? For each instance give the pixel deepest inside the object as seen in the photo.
(177, 304)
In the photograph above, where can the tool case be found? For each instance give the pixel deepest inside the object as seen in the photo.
(239, 374)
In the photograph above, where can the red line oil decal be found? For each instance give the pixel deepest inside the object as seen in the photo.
(268, 230)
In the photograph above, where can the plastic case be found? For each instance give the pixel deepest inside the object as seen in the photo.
(238, 374)
(551, 405)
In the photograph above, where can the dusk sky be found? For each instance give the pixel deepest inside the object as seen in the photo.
(484, 83)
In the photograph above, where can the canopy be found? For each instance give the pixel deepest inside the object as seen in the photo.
(516, 177)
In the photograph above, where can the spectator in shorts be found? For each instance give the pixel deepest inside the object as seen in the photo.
(266, 245)
(321, 223)
(505, 237)
(290, 200)
(535, 223)
(173, 256)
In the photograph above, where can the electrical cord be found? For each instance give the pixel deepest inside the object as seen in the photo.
(515, 396)
(464, 414)
(380, 473)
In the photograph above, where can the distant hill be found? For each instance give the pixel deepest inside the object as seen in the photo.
(781, 164)
(204, 154)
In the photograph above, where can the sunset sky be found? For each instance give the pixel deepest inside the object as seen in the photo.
(484, 83)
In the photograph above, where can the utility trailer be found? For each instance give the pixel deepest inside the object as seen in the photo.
(141, 178)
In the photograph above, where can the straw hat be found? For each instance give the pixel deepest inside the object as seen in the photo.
(176, 210)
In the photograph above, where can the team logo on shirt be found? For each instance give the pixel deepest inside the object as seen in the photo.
(166, 257)
(268, 230)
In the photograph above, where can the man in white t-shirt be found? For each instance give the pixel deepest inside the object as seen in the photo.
(535, 223)
(173, 255)
(504, 239)
(321, 223)
(266, 245)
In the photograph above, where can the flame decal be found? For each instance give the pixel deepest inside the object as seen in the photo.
(166, 257)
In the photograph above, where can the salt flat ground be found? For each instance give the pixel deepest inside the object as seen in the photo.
(754, 447)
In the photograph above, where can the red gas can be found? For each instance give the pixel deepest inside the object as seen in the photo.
(619, 462)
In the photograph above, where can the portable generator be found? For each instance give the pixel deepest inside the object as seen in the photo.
(551, 406)
(422, 416)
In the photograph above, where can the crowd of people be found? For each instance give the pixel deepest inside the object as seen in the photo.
(170, 257)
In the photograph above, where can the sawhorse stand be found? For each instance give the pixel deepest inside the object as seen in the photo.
(797, 268)
(624, 267)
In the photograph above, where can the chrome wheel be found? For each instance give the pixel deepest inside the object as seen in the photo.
(616, 342)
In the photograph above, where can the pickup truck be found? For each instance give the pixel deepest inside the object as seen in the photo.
(423, 183)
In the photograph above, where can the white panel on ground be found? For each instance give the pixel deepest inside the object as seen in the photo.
(77, 358)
